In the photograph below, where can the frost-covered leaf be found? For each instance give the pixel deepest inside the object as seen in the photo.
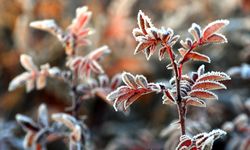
(140, 47)
(135, 87)
(99, 52)
(115, 81)
(41, 81)
(194, 55)
(43, 115)
(27, 123)
(19, 81)
(141, 81)
(144, 22)
(195, 102)
(214, 76)
(208, 85)
(216, 38)
(68, 120)
(196, 32)
(80, 21)
(47, 25)
(27, 62)
(168, 97)
(129, 80)
(213, 27)
(203, 94)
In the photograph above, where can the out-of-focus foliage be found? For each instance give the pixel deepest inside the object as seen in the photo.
(113, 21)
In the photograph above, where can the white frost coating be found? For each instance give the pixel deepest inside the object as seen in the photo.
(215, 85)
(200, 94)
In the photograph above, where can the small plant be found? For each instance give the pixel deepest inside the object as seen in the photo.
(185, 89)
(83, 74)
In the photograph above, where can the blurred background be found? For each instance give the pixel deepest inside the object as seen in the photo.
(146, 126)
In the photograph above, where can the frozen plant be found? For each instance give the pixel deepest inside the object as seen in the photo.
(186, 89)
(83, 74)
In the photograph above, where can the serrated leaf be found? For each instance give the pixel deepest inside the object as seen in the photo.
(194, 55)
(216, 38)
(208, 85)
(203, 94)
(214, 76)
(213, 27)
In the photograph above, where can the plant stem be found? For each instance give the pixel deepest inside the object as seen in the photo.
(182, 116)
(177, 68)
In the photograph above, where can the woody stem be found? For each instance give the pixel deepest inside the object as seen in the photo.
(177, 68)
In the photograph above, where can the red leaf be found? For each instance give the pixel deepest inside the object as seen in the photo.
(216, 38)
(141, 81)
(203, 94)
(194, 55)
(141, 46)
(213, 27)
(208, 85)
(214, 76)
(129, 80)
(196, 102)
